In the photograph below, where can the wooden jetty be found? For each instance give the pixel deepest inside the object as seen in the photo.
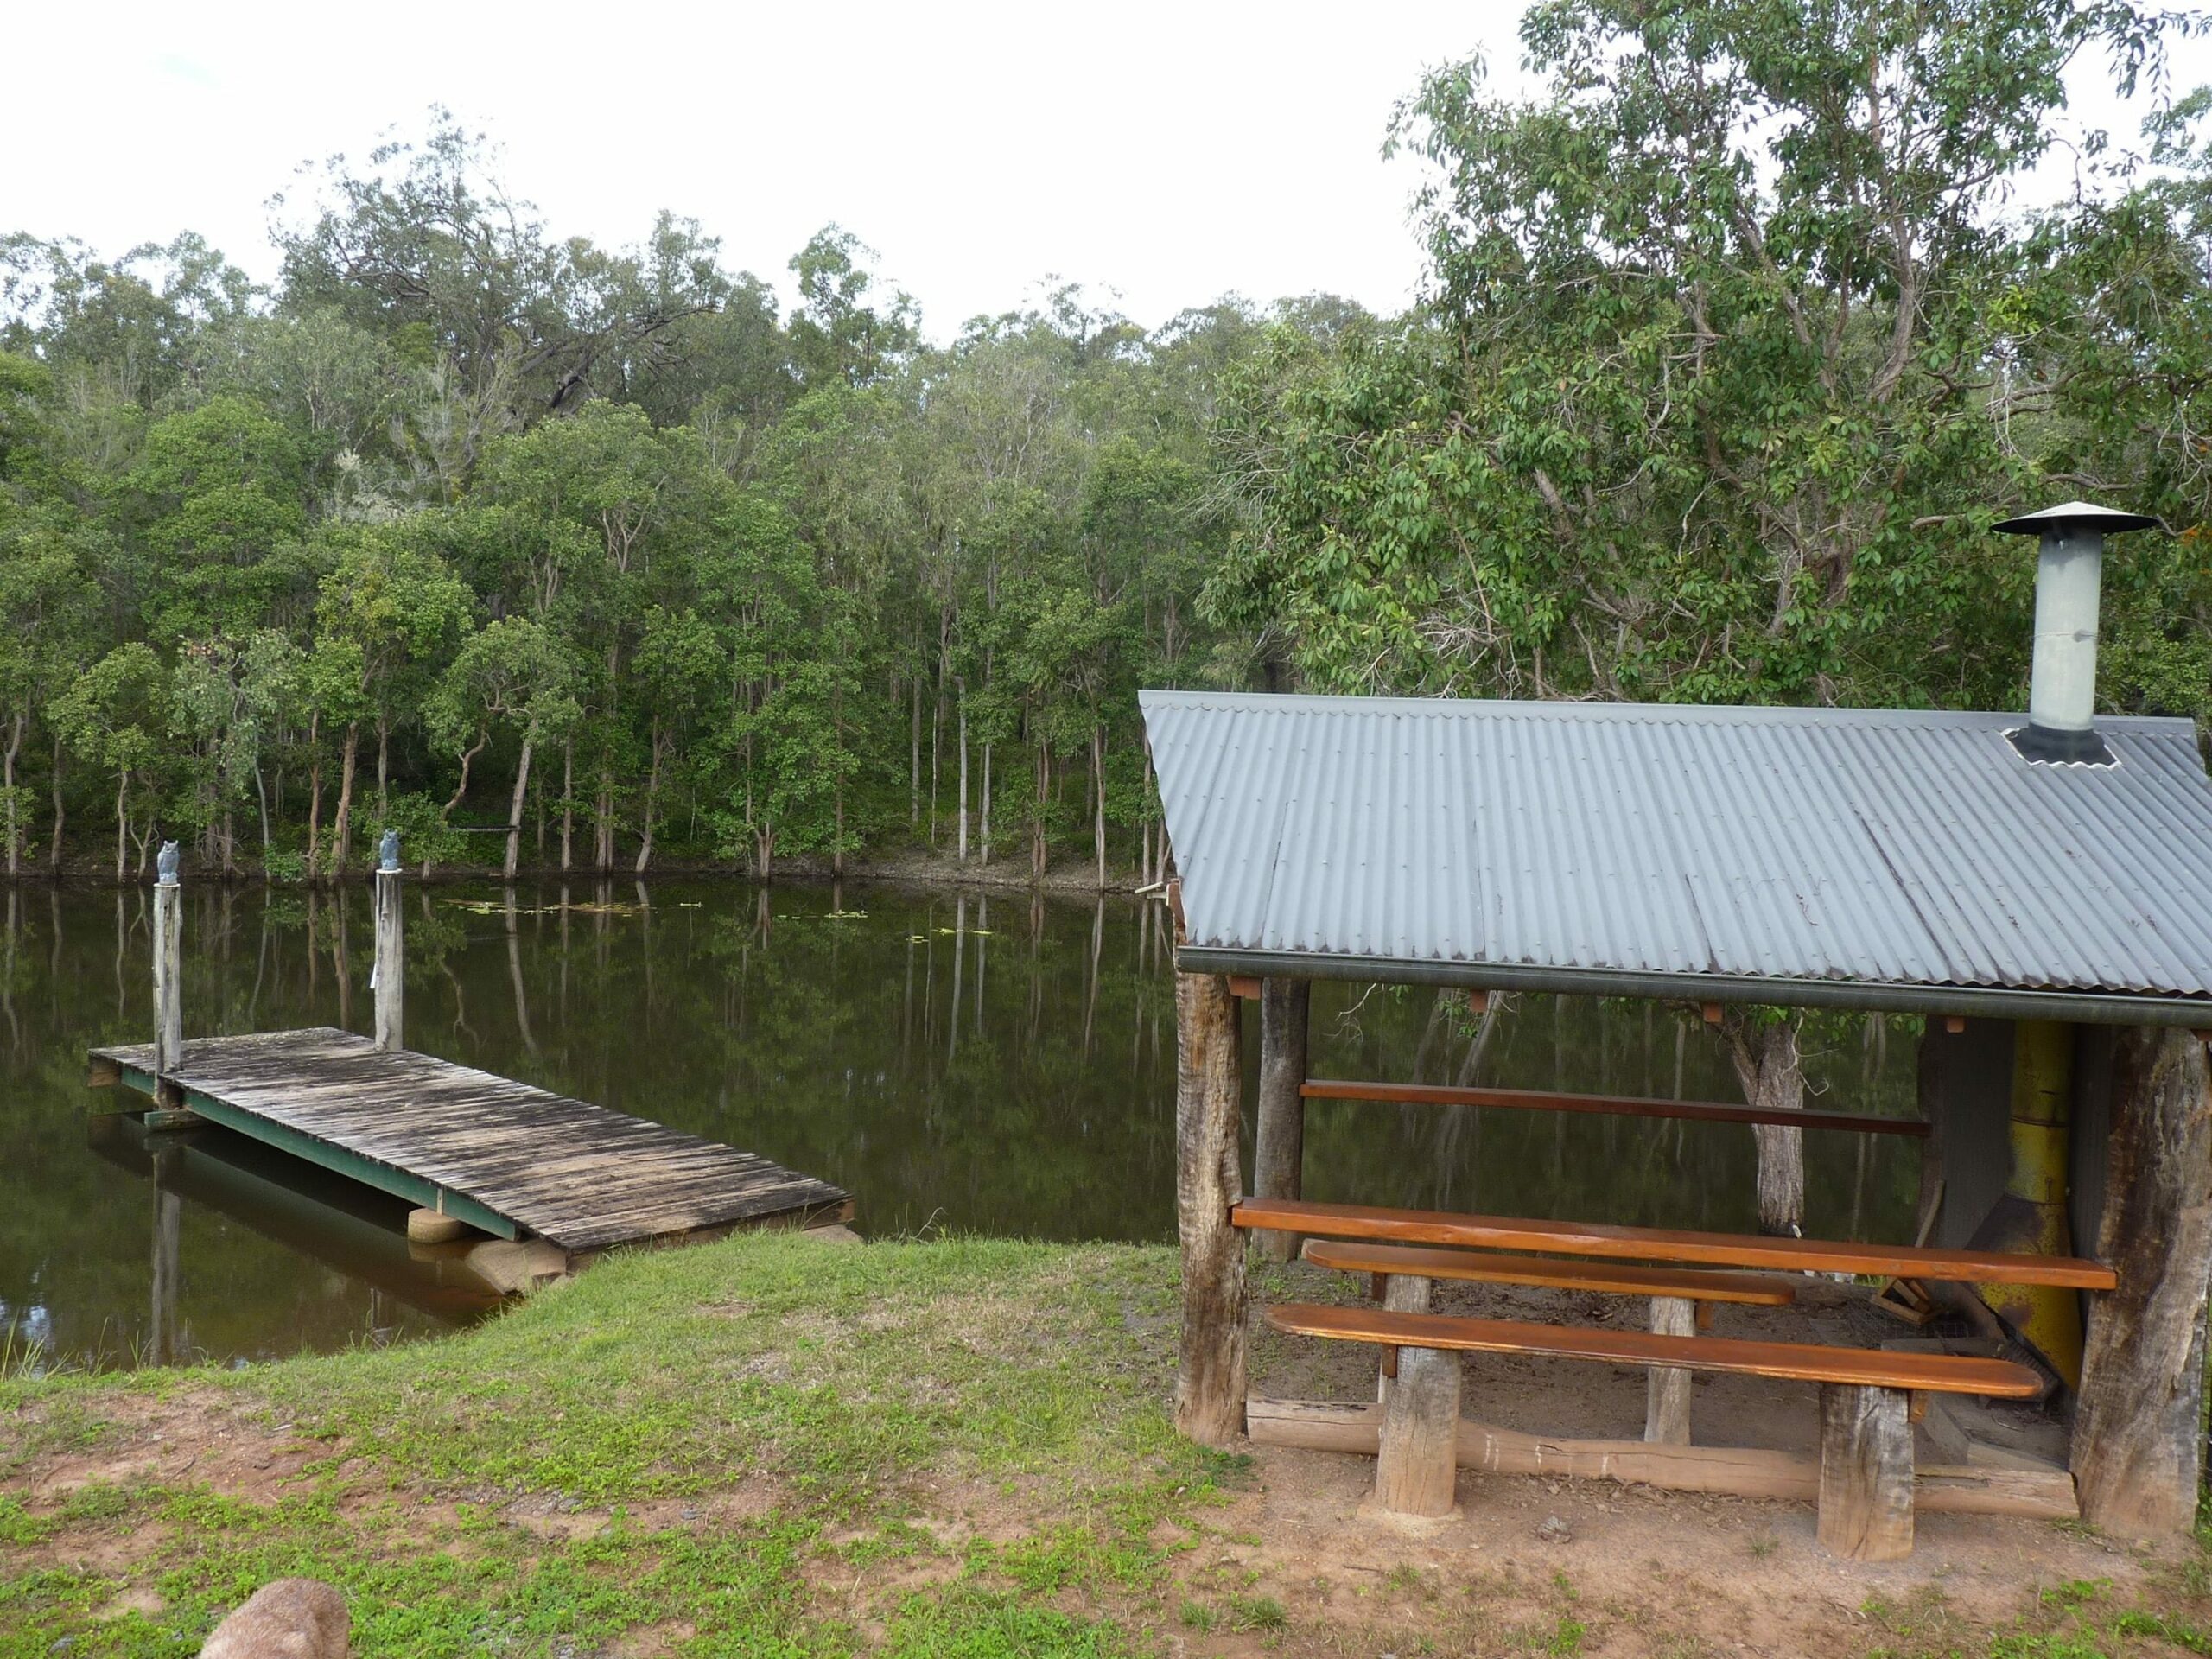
(509, 1159)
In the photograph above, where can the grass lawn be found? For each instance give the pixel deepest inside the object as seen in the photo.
(773, 1446)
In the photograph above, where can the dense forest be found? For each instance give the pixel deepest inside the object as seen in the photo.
(1737, 334)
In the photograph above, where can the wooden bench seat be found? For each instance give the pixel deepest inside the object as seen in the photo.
(1866, 1460)
(1696, 1285)
(1659, 1244)
(1682, 1300)
(1795, 1362)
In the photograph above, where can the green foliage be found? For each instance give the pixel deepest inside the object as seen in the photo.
(458, 502)
(1722, 379)
(1732, 345)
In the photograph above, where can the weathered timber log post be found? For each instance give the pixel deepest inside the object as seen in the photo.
(1209, 1080)
(389, 979)
(1278, 1158)
(168, 971)
(1866, 1475)
(1416, 1459)
(2138, 1448)
(1667, 1390)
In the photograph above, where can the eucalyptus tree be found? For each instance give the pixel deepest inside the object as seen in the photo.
(388, 612)
(764, 595)
(847, 328)
(125, 330)
(514, 676)
(51, 552)
(217, 515)
(118, 717)
(52, 603)
(420, 241)
(576, 525)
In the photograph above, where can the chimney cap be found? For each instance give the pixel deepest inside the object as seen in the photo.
(2109, 520)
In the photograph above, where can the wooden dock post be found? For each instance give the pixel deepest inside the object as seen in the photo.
(168, 970)
(389, 979)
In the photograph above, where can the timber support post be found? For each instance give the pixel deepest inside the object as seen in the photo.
(1278, 1158)
(168, 968)
(1666, 1391)
(1416, 1459)
(1208, 1084)
(2138, 1450)
(1866, 1475)
(389, 979)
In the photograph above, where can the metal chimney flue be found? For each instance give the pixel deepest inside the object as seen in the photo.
(2063, 683)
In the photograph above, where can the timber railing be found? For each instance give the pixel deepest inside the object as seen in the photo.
(1539, 1100)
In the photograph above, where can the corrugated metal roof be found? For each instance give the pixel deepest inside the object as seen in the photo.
(1888, 847)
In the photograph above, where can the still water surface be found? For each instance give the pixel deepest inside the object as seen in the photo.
(989, 1064)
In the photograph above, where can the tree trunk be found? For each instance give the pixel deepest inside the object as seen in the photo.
(1210, 1363)
(1036, 852)
(914, 759)
(2139, 1446)
(15, 745)
(514, 805)
(960, 840)
(568, 797)
(1772, 1074)
(314, 800)
(1098, 799)
(261, 794)
(652, 797)
(984, 847)
(467, 759)
(1278, 1159)
(342, 823)
(122, 823)
(54, 851)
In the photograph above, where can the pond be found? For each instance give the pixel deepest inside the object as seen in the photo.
(962, 1062)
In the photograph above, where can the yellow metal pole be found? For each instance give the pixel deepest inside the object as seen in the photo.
(2031, 1219)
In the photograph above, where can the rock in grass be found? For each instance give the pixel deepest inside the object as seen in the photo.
(288, 1619)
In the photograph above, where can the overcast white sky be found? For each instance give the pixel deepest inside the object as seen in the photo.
(1170, 152)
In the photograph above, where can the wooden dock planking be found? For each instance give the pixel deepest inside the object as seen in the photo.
(503, 1155)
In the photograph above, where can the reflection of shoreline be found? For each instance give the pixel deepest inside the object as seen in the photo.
(344, 1226)
(1073, 880)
